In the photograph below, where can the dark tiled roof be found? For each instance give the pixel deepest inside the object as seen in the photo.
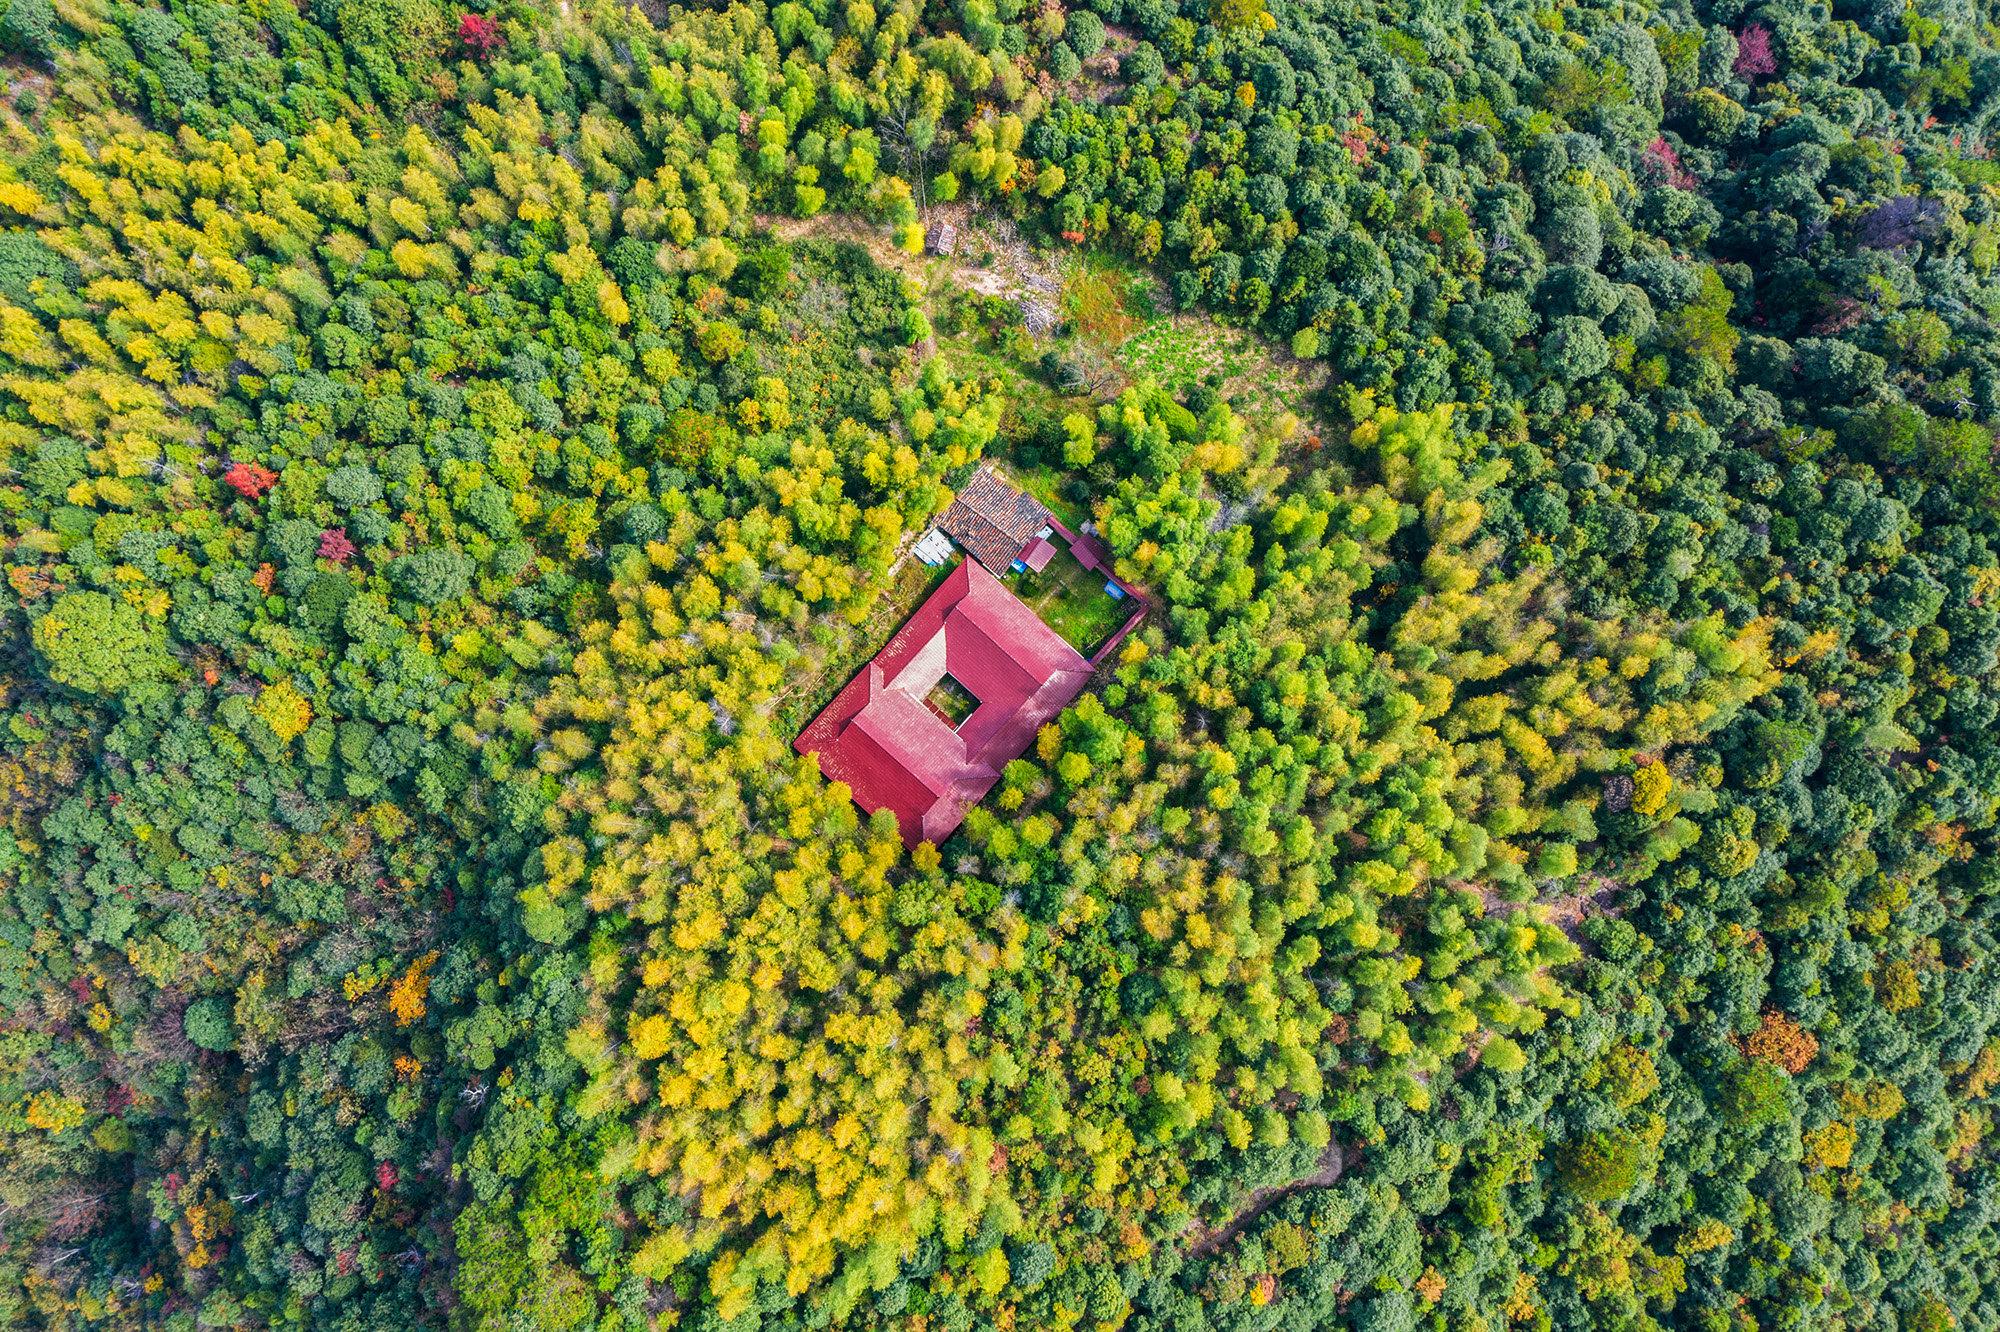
(992, 520)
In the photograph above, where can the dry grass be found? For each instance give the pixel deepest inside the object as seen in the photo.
(1098, 299)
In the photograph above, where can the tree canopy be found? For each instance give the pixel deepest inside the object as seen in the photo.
(1532, 863)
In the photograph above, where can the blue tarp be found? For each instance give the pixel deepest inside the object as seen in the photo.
(1116, 592)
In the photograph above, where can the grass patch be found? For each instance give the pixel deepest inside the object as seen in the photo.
(1045, 483)
(1179, 357)
(1183, 353)
(1072, 601)
(1027, 398)
(952, 701)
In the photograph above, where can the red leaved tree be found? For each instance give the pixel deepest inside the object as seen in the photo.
(335, 545)
(1666, 164)
(1753, 53)
(249, 480)
(479, 35)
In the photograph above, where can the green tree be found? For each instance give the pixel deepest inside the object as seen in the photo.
(93, 642)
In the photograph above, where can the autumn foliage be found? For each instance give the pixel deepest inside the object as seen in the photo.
(479, 35)
(250, 480)
(1532, 864)
(1781, 1041)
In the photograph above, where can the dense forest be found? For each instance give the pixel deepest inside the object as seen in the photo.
(1534, 866)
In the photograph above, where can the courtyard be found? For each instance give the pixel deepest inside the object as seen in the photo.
(1072, 600)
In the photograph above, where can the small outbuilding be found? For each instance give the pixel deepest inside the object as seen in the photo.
(1038, 554)
(992, 521)
(933, 547)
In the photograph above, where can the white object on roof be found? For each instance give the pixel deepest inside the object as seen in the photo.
(933, 547)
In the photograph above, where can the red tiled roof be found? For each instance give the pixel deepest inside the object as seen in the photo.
(895, 753)
(992, 520)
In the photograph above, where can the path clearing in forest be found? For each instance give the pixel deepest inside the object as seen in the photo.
(1121, 311)
(1204, 1243)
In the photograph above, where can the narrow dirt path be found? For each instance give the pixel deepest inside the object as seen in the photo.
(1263, 1200)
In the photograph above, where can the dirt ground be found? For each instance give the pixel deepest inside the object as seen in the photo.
(1016, 271)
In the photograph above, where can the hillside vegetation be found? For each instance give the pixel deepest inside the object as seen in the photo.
(1534, 867)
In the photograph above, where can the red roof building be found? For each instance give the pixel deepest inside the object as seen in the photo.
(897, 750)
